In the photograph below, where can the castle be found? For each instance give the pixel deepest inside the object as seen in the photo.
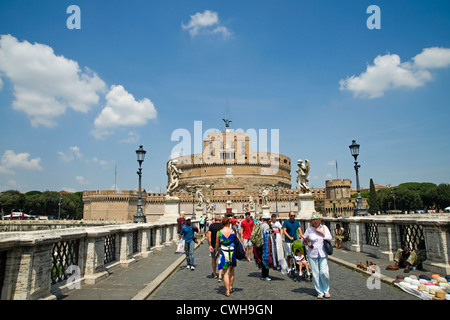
(228, 176)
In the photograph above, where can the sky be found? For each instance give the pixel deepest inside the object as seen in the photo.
(84, 83)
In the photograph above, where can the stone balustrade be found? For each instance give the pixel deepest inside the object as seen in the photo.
(383, 235)
(42, 264)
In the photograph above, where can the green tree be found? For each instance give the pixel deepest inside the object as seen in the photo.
(442, 196)
(11, 200)
(35, 203)
(407, 199)
(374, 206)
(52, 199)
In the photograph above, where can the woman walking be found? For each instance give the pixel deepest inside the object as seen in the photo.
(318, 258)
(227, 260)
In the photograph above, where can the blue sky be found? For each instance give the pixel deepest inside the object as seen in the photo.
(74, 103)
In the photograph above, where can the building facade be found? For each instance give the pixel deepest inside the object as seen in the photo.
(227, 174)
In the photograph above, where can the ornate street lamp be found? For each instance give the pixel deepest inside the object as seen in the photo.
(139, 216)
(276, 200)
(360, 210)
(193, 205)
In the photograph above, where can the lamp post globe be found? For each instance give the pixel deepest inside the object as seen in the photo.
(360, 210)
(139, 216)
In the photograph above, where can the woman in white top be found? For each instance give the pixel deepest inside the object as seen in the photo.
(318, 258)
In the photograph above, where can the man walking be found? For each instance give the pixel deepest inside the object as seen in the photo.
(246, 232)
(187, 233)
(290, 228)
(212, 234)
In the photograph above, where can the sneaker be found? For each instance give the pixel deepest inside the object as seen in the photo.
(266, 279)
(188, 267)
(192, 268)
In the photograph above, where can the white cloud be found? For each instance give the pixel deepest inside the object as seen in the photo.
(433, 58)
(388, 72)
(11, 161)
(122, 110)
(102, 163)
(133, 137)
(206, 23)
(81, 180)
(71, 154)
(45, 84)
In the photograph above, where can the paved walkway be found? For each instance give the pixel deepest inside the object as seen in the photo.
(162, 276)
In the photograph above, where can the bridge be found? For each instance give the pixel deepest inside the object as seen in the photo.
(138, 262)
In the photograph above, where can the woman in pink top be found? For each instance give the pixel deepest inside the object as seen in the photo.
(318, 258)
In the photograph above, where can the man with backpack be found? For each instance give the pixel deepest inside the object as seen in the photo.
(247, 226)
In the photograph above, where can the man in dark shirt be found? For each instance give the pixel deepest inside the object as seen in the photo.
(212, 235)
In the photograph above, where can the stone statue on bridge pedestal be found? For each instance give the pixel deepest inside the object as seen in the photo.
(302, 177)
(305, 198)
(173, 175)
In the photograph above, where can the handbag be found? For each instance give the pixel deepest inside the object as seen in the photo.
(239, 251)
(328, 247)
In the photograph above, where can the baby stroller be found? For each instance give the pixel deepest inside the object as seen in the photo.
(294, 272)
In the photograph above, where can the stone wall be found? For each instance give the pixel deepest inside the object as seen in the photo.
(32, 259)
(386, 237)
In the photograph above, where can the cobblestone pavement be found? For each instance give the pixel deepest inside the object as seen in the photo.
(345, 284)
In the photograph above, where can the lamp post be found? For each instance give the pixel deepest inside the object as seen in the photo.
(193, 205)
(139, 216)
(360, 210)
(276, 200)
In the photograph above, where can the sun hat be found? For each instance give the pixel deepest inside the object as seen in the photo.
(435, 276)
(266, 216)
(421, 287)
(441, 279)
(398, 279)
(415, 282)
(440, 294)
(422, 276)
(447, 277)
(316, 215)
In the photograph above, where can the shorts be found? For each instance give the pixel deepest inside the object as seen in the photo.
(214, 254)
(247, 243)
(287, 248)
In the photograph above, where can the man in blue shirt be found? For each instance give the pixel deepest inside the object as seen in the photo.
(187, 233)
(290, 228)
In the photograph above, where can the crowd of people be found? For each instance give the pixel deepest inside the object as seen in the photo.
(267, 241)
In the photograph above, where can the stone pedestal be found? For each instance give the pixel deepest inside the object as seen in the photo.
(198, 213)
(305, 205)
(265, 210)
(171, 209)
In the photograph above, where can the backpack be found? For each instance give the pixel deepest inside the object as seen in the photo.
(256, 237)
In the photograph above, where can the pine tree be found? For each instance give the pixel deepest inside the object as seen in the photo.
(374, 206)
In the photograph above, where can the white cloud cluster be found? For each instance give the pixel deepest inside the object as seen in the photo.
(10, 162)
(74, 152)
(45, 84)
(388, 72)
(206, 23)
(122, 109)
